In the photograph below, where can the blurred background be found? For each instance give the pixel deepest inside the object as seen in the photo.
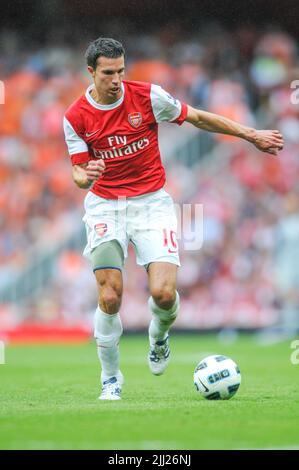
(238, 60)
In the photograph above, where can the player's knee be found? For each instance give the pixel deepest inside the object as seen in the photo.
(110, 300)
(164, 297)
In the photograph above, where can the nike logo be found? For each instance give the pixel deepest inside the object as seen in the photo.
(206, 388)
(92, 133)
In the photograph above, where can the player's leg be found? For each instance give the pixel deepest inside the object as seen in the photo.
(107, 324)
(106, 249)
(152, 221)
(164, 297)
(164, 306)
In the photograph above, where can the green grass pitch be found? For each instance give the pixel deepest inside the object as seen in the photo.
(49, 399)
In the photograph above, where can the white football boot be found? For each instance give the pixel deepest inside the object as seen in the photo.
(159, 356)
(111, 388)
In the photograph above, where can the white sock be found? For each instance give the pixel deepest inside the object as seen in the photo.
(107, 331)
(161, 320)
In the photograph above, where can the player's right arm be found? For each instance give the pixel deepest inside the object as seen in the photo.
(85, 170)
(85, 174)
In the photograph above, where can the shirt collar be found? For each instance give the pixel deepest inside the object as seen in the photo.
(104, 107)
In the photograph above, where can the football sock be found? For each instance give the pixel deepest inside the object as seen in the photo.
(107, 331)
(161, 320)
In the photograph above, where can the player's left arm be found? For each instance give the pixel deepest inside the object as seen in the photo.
(269, 141)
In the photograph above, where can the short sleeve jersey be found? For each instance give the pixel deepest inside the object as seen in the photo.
(125, 135)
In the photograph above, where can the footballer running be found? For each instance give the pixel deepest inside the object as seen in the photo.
(112, 137)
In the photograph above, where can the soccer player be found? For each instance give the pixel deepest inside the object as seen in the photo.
(112, 137)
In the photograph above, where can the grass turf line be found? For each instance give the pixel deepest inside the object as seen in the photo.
(49, 399)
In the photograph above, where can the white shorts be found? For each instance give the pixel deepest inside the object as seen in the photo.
(149, 222)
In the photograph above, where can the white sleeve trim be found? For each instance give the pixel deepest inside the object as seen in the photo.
(165, 107)
(74, 143)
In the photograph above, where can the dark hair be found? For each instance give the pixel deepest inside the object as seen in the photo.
(105, 47)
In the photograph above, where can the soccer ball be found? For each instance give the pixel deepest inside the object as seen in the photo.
(217, 377)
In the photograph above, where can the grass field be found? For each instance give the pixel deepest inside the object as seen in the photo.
(49, 399)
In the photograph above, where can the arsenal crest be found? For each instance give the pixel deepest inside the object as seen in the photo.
(101, 229)
(135, 119)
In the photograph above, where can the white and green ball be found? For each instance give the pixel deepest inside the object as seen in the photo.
(217, 377)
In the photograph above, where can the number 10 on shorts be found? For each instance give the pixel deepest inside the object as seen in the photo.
(170, 240)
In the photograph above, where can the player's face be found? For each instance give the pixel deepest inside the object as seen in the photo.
(108, 77)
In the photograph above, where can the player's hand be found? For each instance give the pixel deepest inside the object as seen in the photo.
(94, 169)
(268, 141)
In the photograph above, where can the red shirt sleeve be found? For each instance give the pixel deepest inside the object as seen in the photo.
(79, 158)
(182, 117)
(77, 147)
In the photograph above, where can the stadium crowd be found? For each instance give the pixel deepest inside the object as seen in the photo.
(232, 280)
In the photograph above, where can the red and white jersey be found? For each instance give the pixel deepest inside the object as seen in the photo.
(125, 135)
